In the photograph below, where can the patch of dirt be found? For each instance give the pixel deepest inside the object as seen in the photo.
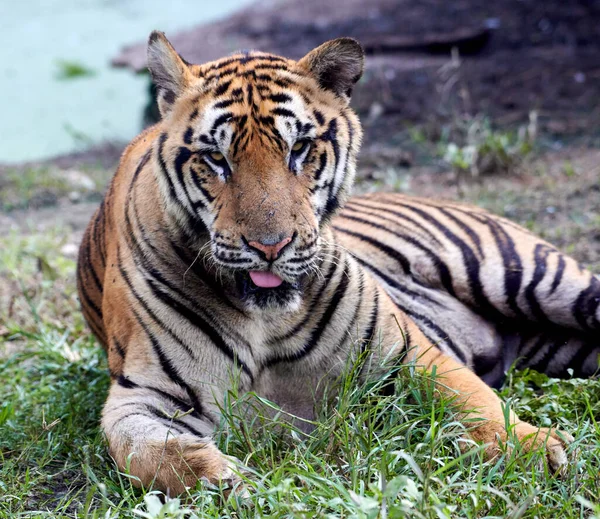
(512, 57)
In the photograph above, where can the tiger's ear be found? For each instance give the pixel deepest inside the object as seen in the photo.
(337, 65)
(170, 72)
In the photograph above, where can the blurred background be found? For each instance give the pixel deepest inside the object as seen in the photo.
(490, 102)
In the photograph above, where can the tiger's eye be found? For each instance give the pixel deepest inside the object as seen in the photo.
(217, 156)
(298, 146)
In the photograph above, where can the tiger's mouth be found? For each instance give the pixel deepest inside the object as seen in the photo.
(263, 290)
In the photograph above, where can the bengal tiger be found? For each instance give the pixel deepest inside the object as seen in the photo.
(225, 246)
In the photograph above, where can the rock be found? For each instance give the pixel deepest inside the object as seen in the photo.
(77, 179)
(70, 250)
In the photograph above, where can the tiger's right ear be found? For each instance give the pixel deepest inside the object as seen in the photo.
(336, 65)
(170, 72)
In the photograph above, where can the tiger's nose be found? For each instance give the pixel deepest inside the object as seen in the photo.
(269, 249)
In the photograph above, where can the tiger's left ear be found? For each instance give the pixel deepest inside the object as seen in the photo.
(170, 72)
(337, 65)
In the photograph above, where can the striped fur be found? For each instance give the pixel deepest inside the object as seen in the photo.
(163, 268)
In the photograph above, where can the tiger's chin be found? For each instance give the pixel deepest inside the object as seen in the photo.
(284, 298)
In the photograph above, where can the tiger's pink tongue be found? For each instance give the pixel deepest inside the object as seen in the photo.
(265, 279)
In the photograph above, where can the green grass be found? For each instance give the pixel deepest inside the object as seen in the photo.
(482, 149)
(370, 455)
(35, 187)
(67, 70)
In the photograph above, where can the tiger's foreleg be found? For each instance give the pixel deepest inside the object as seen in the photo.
(156, 435)
(484, 412)
(481, 410)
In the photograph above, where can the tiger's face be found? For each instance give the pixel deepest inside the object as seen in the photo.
(256, 153)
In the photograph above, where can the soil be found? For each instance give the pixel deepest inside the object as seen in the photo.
(511, 57)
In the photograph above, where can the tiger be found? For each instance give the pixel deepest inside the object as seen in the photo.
(228, 250)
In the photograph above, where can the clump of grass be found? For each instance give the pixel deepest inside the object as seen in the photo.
(368, 456)
(66, 70)
(35, 187)
(483, 150)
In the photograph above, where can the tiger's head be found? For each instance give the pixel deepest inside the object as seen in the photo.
(255, 155)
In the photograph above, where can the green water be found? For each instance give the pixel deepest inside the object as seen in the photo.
(42, 115)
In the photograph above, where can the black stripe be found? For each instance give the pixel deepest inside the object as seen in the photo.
(315, 301)
(225, 103)
(88, 301)
(468, 231)
(513, 268)
(183, 155)
(168, 367)
(126, 382)
(560, 270)
(222, 88)
(191, 217)
(202, 276)
(439, 331)
(368, 335)
(472, 266)
(219, 121)
(578, 360)
(99, 242)
(586, 305)
(280, 98)
(379, 209)
(154, 275)
(119, 348)
(540, 256)
(392, 253)
(86, 250)
(150, 312)
(184, 407)
(347, 333)
(199, 322)
(321, 167)
(438, 263)
(542, 363)
(400, 288)
(330, 135)
(531, 352)
(319, 117)
(284, 112)
(143, 161)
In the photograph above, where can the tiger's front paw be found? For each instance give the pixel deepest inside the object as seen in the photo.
(554, 442)
(177, 463)
(530, 438)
